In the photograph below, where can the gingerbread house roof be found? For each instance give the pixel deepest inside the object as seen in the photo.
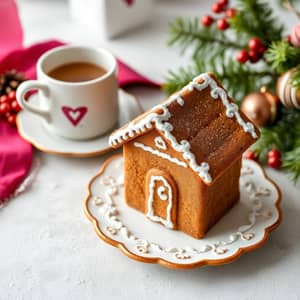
(200, 122)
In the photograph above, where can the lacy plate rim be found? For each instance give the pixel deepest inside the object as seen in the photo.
(168, 264)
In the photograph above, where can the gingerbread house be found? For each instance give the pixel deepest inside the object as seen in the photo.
(182, 159)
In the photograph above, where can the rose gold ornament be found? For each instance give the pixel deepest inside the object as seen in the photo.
(261, 107)
(288, 95)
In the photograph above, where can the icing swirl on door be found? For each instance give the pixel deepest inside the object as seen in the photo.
(161, 198)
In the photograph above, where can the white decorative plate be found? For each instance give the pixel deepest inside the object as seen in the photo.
(30, 127)
(244, 228)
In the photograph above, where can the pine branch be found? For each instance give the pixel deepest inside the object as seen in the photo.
(285, 136)
(227, 71)
(256, 19)
(282, 56)
(214, 50)
(206, 42)
(176, 80)
(291, 163)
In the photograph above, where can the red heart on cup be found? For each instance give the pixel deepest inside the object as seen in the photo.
(74, 115)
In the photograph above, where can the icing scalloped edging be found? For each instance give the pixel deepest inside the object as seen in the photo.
(160, 122)
(183, 257)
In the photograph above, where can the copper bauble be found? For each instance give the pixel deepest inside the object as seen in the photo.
(260, 107)
(288, 95)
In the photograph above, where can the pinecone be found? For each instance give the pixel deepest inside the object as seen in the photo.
(9, 81)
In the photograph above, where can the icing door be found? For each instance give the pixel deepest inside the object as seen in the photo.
(161, 198)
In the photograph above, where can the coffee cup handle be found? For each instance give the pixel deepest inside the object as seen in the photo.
(26, 87)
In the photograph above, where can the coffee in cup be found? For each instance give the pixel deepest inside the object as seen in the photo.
(77, 72)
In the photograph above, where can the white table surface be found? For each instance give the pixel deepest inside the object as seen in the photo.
(48, 248)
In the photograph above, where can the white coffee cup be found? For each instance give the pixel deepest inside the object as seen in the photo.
(75, 110)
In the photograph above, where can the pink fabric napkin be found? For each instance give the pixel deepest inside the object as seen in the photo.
(15, 153)
(15, 160)
(11, 34)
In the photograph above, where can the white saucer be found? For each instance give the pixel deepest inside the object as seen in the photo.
(31, 129)
(244, 228)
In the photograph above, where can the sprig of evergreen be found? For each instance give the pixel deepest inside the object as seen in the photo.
(202, 41)
(256, 18)
(227, 71)
(213, 50)
(291, 163)
(282, 56)
(285, 136)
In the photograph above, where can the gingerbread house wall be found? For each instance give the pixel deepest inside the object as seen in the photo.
(199, 206)
(138, 162)
(219, 197)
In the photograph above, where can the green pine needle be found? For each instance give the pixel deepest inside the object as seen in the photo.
(284, 136)
(214, 50)
(256, 19)
(282, 56)
(228, 72)
(291, 163)
(202, 41)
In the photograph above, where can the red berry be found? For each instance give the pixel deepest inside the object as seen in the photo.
(217, 8)
(250, 155)
(261, 50)
(12, 95)
(274, 162)
(230, 12)
(15, 106)
(4, 108)
(254, 56)
(242, 56)
(223, 2)
(222, 24)
(274, 153)
(288, 39)
(254, 44)
(12, 119)
(207, 20)
(4, 99)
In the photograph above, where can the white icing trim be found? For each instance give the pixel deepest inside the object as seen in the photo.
(160, 143)
(160, 154)
(161, 192)
(178, 99)
(160, 122)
